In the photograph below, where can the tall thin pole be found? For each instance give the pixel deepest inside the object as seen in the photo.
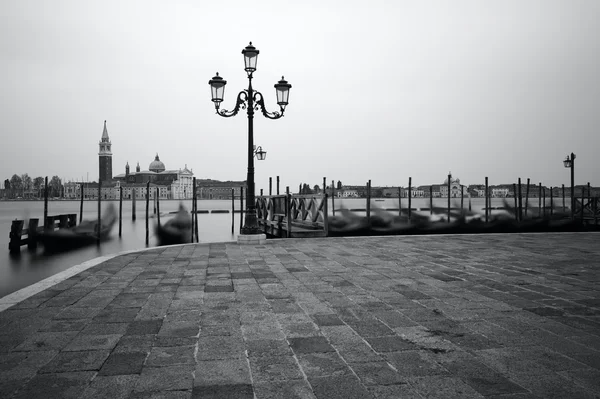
(409, 196)
(332, 197)
(232, 209)
(99, 212)
(241, 207)
(147, 211)
(520, 202)
(81, 204)
(194, 210)
(551, 203)
(572, 186)
(430, 200)
(527, 197)
(462, 197)
(369, 203)
(133, 194)
(449, 179)
(46, 203)
(157, 206)
(251, 223)
(487, 199)
(270, 186)
(278, 185)
(120, 209)
(540, 199)
(516, 204)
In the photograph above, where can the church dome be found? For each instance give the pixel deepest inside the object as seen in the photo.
(156, 165)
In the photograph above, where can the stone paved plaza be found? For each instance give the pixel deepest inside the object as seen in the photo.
(472, 316)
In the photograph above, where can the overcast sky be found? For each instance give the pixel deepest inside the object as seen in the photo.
(382, 90)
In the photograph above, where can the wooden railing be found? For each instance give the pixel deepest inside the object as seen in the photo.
(587, 209)
(293, 215)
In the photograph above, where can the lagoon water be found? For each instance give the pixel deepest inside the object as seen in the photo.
(28, 268)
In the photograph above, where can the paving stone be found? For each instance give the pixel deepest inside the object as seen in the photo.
(76, 361)
(169, 378)
(289, 389)
(323, 364)
(377, 373)
(339, 388)
(222, 372)
(268, 347)
(239, 391)
(93, 342)
(268, 368)
(390, 344)
(59, 385)
(415, 363)
(310, 345)
(110, 387)
(44, 341)
(167, 356)
(144, 327)
(121, 363)
(327, 320)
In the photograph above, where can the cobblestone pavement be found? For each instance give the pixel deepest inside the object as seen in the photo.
(495, 316)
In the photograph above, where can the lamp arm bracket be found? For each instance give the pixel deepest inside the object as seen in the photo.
(240, 103)
(257, 97)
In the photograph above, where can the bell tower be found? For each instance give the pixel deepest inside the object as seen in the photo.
(105, 156)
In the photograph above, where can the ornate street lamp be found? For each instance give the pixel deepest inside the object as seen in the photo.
(250, 100)
(570, 163)
(260, 153)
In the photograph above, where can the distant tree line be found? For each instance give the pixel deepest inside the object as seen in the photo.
(316, 189)
(25, 187)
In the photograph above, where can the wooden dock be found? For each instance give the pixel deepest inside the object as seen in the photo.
(292, 216)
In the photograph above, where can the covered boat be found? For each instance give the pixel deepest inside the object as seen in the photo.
(86, 233)
(177, 230)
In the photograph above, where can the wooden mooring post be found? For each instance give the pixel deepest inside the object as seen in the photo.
(45, 201)
(551, 202)
(540, 200)
(409, 196)
(288, 211)
(120, 210)
(430, 200)
(527, 196)
(333, 197)
(449, 179)
(233, 208)
(81, 204)
(487, 199)
(462, 197)
(99, 225)
(563, 197)
(516, 205)
(271, 186)
(399, 201)
(147, 213)
(277, 186)
(133, 192)
(157, 206)
(520, 202)
(241, 207)
(369, 202)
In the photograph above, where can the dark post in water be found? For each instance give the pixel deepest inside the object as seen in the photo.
(430, 200)
(233, 208)
(133, 193)
(147, 211)
(270, 186)
(399, 201)
(120, 209)
(540, 199)
(46, 227)
(449, 178)
(487, 199)
(563, 195)
(520, 202)
(98, 226)
(516, 205)
(332, 197)
(277, 185)
(409, 196)
(527, 197)
(369, 202)
(81, 204)
(241, 207)
(157, 207)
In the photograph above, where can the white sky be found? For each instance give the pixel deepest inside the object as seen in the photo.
(382, 90)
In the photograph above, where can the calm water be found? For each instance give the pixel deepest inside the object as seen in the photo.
(28, 268)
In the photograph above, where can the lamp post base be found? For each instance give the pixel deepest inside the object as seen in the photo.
(252, 239)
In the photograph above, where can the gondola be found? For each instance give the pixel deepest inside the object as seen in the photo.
(177, 230)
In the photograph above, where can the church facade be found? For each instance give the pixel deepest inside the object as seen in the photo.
(166, 184)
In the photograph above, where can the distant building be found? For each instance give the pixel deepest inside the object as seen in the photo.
(105, 156)
(215, 189)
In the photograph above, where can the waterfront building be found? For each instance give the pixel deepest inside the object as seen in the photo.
(455, 188)
(215, 189)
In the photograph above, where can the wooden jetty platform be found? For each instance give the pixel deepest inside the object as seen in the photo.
(293, 216)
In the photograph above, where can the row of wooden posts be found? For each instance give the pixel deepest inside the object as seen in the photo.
(520, 211)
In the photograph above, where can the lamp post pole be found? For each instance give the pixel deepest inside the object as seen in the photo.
(250, 99)
(251, 224)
